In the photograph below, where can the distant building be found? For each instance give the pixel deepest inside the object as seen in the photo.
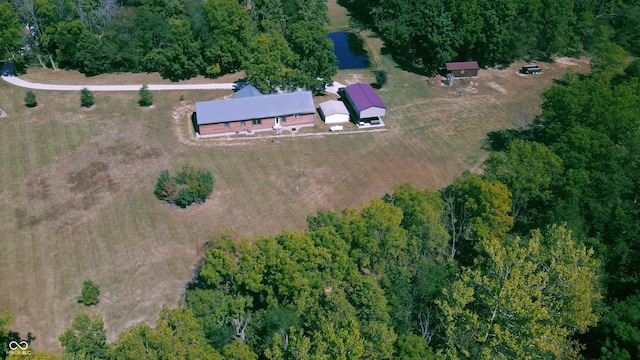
(334, 112)
(250, 111)
(463, 69)
(530, 69)
(247, 91)
(366, 104)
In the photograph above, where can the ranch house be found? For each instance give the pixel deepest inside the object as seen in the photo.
(252, 111)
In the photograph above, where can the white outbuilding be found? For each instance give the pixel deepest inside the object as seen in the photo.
(334, 112)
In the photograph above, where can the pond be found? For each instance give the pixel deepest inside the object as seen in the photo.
(349, 49)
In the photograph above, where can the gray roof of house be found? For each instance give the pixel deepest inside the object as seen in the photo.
(333, 107)
(247, 91)
(254, 107)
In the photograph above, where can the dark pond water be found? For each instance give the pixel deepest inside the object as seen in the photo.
(349, 49)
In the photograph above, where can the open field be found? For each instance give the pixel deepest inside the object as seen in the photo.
(77, 185)
(72, 77)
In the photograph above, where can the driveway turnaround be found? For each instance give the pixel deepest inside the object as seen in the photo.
(154, 87)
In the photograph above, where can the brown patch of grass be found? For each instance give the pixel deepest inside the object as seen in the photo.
(38, 189)
(93, 178)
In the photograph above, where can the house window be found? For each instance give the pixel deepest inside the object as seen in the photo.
(295, 116)
(257, 121)
(242, 123)
(226, 125)
(284, 119)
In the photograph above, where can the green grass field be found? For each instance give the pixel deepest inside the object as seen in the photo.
(77, 185)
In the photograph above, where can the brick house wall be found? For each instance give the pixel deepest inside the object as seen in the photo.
(300, 120)
(266, 124)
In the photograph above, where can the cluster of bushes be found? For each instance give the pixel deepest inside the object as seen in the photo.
(190, 185)
(90, 293)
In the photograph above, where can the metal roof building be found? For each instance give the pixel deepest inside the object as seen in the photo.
(333, 112)
(365, 102)
(254, 107)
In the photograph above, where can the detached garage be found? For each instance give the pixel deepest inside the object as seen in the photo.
(334, 112)
(365, 102)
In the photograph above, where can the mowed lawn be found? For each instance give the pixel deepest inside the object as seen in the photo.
(77, 185)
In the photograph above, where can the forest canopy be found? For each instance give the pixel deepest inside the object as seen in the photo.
(184, 38)
(178, 39)
(424, 34)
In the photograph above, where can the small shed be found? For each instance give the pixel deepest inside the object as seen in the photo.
(365, 102)
(463, 69)
(334, 112)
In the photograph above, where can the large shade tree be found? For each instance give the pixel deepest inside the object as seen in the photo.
(524, 299)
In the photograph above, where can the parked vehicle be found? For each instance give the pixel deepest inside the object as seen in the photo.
(530, 69)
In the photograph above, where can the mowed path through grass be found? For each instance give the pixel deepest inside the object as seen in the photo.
(77, 185)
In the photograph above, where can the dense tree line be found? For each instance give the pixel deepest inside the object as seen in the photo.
(179, 39)
(582, 168)
(380, 281)
(184, 38)
(424, 34)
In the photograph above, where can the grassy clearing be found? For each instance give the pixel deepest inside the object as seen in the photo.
(338, 16)
(72, 77)
(77, 185)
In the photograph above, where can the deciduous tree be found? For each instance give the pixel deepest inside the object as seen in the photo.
(176, 335)
(423, 214)
(226, 49)
(86, 338)
(476, 208)
(315, 58)
(524, 299)
(9, 30)
(271, 63)
(180, 58)
(530, 170)
(90, 293)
